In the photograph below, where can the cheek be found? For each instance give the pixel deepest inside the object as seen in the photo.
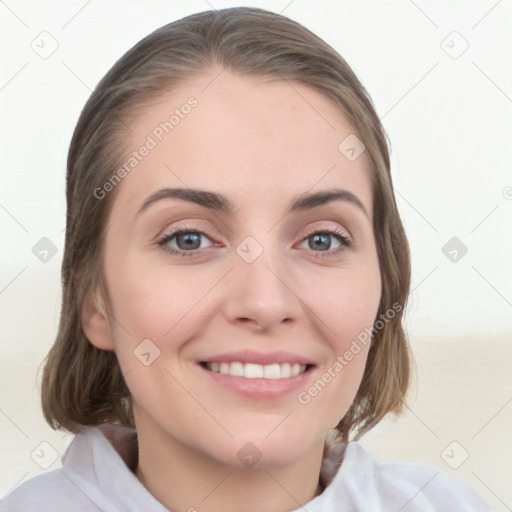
(346, 307)
(155, 313)
(155, 302)
(347, 304)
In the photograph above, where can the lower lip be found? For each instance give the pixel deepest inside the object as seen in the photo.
(260, 388)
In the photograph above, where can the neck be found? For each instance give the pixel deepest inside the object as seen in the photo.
(185, 480)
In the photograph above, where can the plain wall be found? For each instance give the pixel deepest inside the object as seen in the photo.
(440, 76)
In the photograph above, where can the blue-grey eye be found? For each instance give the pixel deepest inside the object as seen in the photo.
(188, 241)
(320, 241)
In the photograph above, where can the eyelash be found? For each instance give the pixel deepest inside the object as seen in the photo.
(342, 238)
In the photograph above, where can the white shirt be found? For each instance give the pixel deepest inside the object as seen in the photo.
(95, 477)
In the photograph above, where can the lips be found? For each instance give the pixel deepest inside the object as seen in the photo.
(251, 356)
(256, 386)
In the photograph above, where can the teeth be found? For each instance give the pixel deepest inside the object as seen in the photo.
(236, 369)
(272, 371)
(286, 370)
(251, 371)
(258, 371)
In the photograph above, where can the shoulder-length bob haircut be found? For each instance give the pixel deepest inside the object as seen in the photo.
(83, 385)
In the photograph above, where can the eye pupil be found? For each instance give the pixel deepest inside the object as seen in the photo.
(322, 241)
(191, 240)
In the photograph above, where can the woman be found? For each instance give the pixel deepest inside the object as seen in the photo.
(234, 279)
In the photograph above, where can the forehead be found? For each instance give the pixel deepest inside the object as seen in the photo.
(253, 140)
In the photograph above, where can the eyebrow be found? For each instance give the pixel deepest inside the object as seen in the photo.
(218, 202)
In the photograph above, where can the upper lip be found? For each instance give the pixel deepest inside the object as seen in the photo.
(261, 358)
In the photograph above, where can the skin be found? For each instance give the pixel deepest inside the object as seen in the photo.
(259, 144)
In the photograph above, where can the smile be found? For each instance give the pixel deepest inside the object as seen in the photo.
(257, 371)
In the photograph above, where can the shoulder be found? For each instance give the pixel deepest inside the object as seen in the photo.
(422, 486)
(51, 491)
(427, 485)
(413, 486)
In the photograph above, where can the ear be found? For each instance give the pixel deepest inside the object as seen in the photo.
(96, 322)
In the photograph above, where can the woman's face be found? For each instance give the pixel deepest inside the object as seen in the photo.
(261, 283)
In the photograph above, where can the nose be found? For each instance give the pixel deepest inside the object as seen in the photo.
(261, 294)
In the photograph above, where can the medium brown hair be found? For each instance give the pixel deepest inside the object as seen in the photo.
(83, 385)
